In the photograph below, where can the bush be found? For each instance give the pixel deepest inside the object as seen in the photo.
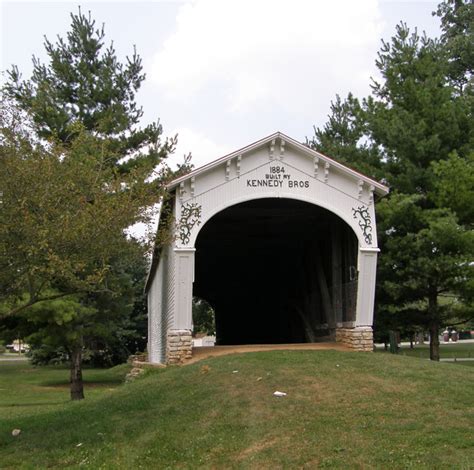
(44, 355)
(51, 355)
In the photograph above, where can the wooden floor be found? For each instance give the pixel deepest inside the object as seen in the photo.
(213, 351)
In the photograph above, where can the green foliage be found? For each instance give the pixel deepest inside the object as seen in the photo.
(453, 186)
(344, 137)
(424, 127)
(64, 213)
(425, 276)
(413, 115)
(416, 129)
(204, 320)
(427, 254)
(85, 83)
(457, 24)
(76, 171)
(109, 325)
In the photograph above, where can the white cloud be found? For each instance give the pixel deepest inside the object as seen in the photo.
(252, 52)
(202, 148)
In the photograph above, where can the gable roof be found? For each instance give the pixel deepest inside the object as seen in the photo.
(379, 188)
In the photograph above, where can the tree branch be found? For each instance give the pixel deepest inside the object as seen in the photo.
(37, 300)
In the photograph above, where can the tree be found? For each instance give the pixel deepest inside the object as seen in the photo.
(83, 111)
(413, 115)
(344, 137)
(427, 258)
(454, 180)
(418, 122)
(114, 322)
(64, 213)
(83, 83)
(457, 24)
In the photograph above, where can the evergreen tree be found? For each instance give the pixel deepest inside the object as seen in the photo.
(457, 25)
(425, 266)
(413, 114)
(203, 317)
(420, 122)
(453, 186)
(418, 125)
(85, 83)
(344, 137)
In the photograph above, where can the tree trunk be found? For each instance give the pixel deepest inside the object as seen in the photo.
(77, 387)
(434, 341)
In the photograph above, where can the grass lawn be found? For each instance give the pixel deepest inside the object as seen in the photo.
(449, 350)
(343, 410)
(25, 388)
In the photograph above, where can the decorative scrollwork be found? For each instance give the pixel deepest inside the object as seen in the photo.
(190, 216)
(365, 222)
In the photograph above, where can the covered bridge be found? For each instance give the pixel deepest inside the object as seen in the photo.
(279, 239)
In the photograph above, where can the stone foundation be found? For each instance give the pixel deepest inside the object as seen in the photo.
(360, 338)
(179, 346)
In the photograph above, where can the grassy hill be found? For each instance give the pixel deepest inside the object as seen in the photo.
(342, 410)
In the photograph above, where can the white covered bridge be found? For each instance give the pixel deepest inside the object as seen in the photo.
(280, 240)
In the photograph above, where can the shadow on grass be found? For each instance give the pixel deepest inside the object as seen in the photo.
(34, 404)
(91, 383)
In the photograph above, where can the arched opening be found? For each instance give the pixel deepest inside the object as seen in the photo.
(276, 271)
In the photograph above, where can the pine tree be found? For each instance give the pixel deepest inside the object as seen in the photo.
(344, 137)
(457, 24)
(418, 121)
(413, 115)
(84, 82)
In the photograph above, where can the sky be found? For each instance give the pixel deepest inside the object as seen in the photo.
(225, 73)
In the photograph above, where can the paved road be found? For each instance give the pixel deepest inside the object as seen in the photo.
(12, 358)
(457, 359)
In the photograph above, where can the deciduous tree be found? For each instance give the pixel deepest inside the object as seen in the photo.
(87, 177)
(64, 215)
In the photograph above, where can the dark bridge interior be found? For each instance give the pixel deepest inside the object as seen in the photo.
(276, 271)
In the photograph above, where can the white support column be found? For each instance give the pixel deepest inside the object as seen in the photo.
(359, 335)
(184, 259)
(367, 266)
(179, 339)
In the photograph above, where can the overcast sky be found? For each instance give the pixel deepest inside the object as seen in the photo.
(224, 73)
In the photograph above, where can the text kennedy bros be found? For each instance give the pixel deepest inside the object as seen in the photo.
(277, 183)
